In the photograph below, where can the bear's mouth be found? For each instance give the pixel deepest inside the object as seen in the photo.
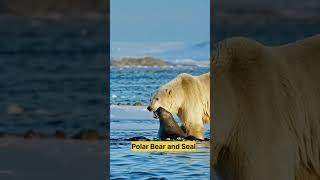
(155, 114)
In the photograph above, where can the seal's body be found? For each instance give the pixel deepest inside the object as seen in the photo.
(168, 126)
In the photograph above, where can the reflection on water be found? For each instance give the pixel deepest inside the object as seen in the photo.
(167, 165)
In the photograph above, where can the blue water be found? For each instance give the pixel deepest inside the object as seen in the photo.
(128, 165)
(131, 85)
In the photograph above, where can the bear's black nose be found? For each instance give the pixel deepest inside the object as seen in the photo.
(149, 108)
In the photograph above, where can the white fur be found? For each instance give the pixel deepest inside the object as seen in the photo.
(188, 97)
(266, 110)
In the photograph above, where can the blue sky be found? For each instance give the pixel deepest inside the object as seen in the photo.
(160, 20)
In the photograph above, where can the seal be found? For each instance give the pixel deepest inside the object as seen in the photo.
(168, 126)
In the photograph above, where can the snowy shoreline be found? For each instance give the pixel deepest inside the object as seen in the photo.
(130, 112)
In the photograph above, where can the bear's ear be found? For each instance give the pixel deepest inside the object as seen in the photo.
(168, 91)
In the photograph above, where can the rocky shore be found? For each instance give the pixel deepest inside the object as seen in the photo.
(139, 62)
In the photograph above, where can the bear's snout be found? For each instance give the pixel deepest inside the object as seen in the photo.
(149, 108)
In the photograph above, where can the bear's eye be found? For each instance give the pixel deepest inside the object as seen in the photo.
(157, 99)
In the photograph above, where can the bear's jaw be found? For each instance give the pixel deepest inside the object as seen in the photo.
(155, 114)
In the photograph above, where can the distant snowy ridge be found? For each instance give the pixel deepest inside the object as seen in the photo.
(150, 62)
(169, 51)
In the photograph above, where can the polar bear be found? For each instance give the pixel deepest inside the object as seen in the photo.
(266, 116)
(189, 97)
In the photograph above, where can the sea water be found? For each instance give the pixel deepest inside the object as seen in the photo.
(131, 85)
(53, 74)
(128, 122)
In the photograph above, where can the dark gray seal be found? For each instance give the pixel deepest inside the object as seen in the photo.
(168, 126)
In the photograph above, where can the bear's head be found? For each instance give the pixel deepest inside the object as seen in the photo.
(168, 97)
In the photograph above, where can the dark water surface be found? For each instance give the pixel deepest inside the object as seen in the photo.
(268, 31)
(52, 74)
